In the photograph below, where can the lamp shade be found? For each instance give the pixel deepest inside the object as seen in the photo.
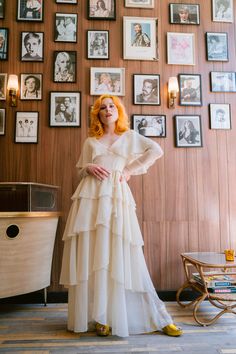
(12, 82)
(173, 84)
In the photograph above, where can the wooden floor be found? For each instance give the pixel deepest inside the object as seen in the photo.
(35, 329)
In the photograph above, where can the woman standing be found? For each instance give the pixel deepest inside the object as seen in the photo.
(103, 263)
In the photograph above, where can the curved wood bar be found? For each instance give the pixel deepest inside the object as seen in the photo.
(26, 249)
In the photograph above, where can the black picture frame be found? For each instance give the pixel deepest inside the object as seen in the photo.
(220, 116)
(4, 43)
(32, 46)
(217, 46)
(188, 136)
(31, 86)
(2, 9)
(66, 25)
(64, 66)
(184, 14)
(2, 121)
(65, 109)
(26, 127)
(190, 90)
(105, 11)
(223, 81)
(150, 125)
(146, 89)
(97, 44)
(28, 12)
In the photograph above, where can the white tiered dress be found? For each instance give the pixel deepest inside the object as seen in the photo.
(103, 263)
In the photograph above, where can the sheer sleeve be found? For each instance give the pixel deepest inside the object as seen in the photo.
(147, 152)
(84, 160)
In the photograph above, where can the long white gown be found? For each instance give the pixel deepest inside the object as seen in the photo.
(103, 263)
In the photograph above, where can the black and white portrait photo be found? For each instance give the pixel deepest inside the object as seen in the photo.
(4, 34)
(222, 10)
(190, 90)
(217, 46)
(2, 9)
(102, 9)
(66, 27)
(97, 44)
(188, 131)
(3, 87)
(65, 109)
(223, 81)
(149, 125)
(31, 86)
(32, 46)
(64, 66)
(184, 14)
(147, 89)
(2, 121)
(220, 116)
(26, 129)
(30, 10)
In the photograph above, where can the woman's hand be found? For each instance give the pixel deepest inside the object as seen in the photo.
(97, 171)
(125, 175)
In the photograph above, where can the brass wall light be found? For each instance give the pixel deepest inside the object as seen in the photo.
(12, 87)
(173, 89)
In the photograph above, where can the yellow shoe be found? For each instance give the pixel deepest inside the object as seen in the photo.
(172, 330)
(102, 330)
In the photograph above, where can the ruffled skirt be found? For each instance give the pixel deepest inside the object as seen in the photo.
(103, 263)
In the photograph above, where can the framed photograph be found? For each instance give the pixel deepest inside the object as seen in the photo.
(66, 27)
(101, 9)
(223, 81)
(30, 10)
(220, 117)
(190, 90)
(107, 80)
(222, 11)
(144, 4)
(32, 46)
(180, 48)
(146, 89)
(140, 38)
(66, 1)
(217, 46)
(31, 86)
(4, 43)
(2, 121)
(3, 87)
(185, 14)
(65, 109)
(149, 125)
(26, 128)
(97, 44)
(2, 9)
(64, 67)
(188, 131)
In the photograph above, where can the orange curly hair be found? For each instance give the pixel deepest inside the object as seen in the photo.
(96, 127)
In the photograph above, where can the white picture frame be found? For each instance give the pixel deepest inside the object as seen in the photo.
(107, 80)
(144, 4)
(222, 11)
(220, 117)
(180, 48)
(140, 38)
(26, 127)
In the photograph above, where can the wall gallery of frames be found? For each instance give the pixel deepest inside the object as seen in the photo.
(173, 66)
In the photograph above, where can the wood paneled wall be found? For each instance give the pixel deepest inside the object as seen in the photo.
(187, 201)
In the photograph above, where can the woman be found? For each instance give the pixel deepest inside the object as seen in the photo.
(103, 263)
(189, 133)
(63, 68)
(101, 10)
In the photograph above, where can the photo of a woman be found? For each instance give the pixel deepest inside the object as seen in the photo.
(64, 67)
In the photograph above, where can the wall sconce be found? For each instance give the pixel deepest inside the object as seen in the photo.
(12, 86)
(173, 88)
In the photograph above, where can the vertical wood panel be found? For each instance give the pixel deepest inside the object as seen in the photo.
(187, 201)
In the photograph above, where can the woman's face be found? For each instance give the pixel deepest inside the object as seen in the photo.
(183, 14)
(32, 46)
(64, 62)
(108, 113)
(62, 107)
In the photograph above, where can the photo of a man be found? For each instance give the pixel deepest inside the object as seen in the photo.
(146, 89)
(140, 38)
(3, 43)
(32, 46)
(190, 89)
(31, 87)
